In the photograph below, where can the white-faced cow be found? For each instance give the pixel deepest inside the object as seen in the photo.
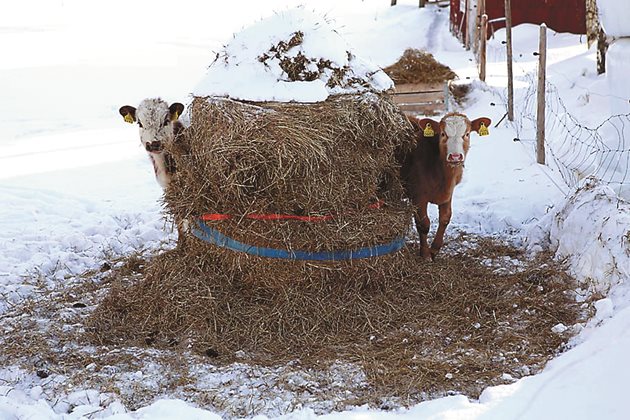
(432, 169)
(159, 127)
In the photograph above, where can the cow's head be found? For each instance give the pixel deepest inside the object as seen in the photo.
(155, 119)
(453, 132)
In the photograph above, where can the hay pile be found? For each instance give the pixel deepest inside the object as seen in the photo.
(416, 66)
(300, 67)
(407, 324)
(335, 158)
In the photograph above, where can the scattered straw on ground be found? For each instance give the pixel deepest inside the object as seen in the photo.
(425, 330)
(408, 327)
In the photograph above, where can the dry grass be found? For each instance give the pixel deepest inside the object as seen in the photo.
(406, 322)
(418, 331)
(416, 66)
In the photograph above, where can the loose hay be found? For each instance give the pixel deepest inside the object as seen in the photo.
(408, 324)
(416, 66)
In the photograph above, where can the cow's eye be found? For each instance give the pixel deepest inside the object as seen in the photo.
(140, 124)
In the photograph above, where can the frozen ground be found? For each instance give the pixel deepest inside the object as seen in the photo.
(76, 187)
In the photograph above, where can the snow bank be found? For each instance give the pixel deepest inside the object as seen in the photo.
(614, 16)
(592, 230)
(47, 238)
(295, 55)
(617, 65)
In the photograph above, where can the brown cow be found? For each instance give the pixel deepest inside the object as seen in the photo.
(434, 166)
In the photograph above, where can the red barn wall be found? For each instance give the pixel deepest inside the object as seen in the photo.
(559, 15)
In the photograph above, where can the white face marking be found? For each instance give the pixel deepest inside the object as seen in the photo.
(156, 127)
(456, 128)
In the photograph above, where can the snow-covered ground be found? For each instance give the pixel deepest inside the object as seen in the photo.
(76, 187)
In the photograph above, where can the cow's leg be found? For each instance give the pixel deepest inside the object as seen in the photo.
(445, 218)
(423, 225)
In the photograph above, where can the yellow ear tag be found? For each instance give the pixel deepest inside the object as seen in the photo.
(129, 118)
(175, 116)
(483, 130)
(428, 131)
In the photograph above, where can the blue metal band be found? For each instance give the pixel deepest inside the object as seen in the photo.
(207, 234)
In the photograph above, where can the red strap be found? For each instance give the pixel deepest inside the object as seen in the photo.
(213, 217)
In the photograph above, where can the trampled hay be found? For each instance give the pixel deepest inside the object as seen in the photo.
(417, 329)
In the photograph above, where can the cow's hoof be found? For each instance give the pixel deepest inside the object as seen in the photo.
(434, 253)
(426, 254)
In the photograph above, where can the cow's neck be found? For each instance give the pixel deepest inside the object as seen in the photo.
(160, 168)
(451, 175)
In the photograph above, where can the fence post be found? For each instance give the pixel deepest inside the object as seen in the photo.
(467, 25)
(602, 47)
(508, 40)
(481, 9)
(482, 47)
(421, 4)
(540, 113)
(393, 2)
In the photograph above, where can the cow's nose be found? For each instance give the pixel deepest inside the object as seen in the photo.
(455, 157)
(154, 146)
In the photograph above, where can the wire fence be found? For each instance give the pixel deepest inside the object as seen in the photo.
(574, 150)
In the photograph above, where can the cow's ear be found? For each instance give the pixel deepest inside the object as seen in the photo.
(481, 126)
(429, 127)
(128, 113)
(176, 110)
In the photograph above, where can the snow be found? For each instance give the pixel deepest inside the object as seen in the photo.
(617, 64)
(76, 187)
(598, 251)
(614, 16)
(250, 67)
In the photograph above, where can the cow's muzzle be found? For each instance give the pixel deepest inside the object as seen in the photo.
(154, 146)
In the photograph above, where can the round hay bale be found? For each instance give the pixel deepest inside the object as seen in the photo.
(333, 154)
(335, 158)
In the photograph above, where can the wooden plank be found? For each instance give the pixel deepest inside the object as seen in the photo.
(419, 97)
(421, 109)
(418, 87)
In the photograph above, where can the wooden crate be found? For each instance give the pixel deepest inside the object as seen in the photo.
(420, 98)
